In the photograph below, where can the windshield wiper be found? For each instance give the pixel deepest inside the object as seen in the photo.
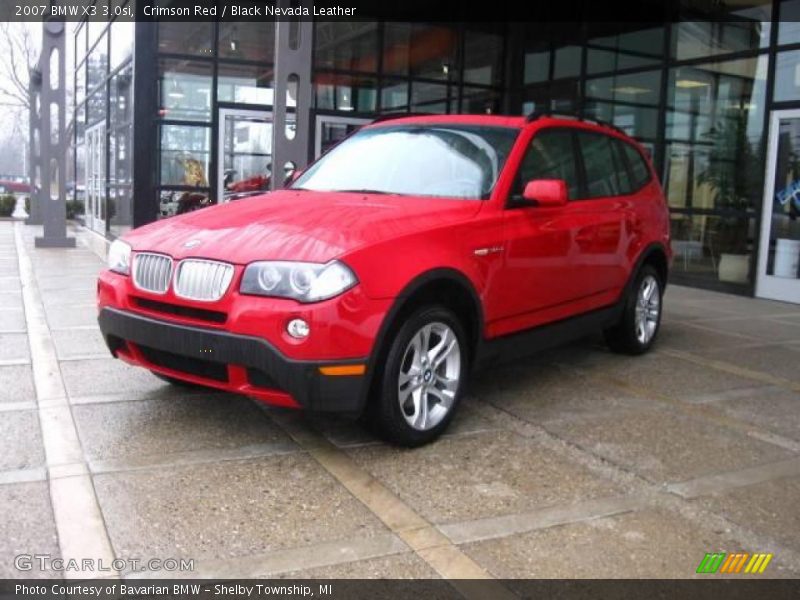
(365, 191)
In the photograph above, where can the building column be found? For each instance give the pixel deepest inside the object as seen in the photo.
(52, 142)
(34, 147)
(293, 61)
(145, 130)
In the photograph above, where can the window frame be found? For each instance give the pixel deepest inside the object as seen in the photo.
(580, 165)
(512, 195)
(638, 187)
(588, 133)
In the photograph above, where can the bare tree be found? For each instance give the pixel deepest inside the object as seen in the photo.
(16, 60)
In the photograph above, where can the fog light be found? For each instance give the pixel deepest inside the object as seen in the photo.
(298, 328)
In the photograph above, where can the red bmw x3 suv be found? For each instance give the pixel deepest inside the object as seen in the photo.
(415, 250)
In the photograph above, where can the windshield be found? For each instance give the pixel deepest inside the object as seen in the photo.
(450, 161)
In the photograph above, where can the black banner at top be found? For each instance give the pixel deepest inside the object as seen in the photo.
(484, 11)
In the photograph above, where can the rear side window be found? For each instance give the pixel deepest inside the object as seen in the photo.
(602, 176)
(639, 171)
(551, 155)
(626, 185)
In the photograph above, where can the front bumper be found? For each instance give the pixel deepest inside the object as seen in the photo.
(232, 362)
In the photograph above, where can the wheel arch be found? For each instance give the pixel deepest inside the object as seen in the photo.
(445, 286)
(654, 254)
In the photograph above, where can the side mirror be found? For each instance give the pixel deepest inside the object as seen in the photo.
(546, 192)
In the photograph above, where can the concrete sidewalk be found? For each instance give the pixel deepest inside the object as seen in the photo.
(580, 463)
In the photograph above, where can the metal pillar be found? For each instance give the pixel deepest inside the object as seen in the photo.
(52, 142)
(293, 56)
(34, 147)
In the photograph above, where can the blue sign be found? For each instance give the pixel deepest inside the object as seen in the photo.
(790, 193)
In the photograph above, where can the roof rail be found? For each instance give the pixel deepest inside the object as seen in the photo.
(557, 115)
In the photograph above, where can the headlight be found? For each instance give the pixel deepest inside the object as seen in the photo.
(119, 257)
(305, 282)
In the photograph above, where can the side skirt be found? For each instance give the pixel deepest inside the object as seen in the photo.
(519, 345)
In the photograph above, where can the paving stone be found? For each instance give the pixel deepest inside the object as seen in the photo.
(760, 327)
(135, 430)
(476, 476)
(793, 318)
(14, 346)
(772, 408)
(111, 376)
(646, 544)
(57, 283)
(60, 317)
(236, 508)
(344, 432)
(86, 298)
(663, 374)
(667, 447)
(781, 360)
(768, 509)
(20, 440)
(12, 320)
(399, 566)
(10, 299)
(688, 338)
(16, 384)
(26, 527)
(70, 343)
(547, 393)
(677, 309)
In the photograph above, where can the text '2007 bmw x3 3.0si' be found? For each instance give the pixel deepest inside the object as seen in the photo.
(412, 252)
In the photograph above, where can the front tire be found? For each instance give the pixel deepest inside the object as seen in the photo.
(423, 378)
(641, 316)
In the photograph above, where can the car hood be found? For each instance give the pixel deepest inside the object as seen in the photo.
(293, 225)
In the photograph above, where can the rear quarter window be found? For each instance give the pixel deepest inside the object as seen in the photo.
(601, 171)
(639, 169)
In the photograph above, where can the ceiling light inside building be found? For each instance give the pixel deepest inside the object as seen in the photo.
(631, 90)
(690, 83)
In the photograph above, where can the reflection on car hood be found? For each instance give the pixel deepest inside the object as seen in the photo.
(297, 225)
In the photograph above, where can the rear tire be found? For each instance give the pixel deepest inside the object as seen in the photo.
(423, 379)
(641, 316)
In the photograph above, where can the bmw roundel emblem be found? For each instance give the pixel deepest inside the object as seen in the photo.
(192, 244)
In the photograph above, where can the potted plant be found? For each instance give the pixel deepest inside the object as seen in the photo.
(733, 175)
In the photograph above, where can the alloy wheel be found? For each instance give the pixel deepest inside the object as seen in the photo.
(648, 309)
(429, 377)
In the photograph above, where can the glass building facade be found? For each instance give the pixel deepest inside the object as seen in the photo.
(699, 90)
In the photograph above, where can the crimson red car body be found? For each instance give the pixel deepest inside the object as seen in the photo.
(519, 268)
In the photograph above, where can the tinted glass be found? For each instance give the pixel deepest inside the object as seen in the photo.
(601, 175)
(185, 38)
(626, 186)
(550, 156)
(348, 46)
(185, 89)
(247, 40)
(448, 161)
(787, 83)
(639, 170)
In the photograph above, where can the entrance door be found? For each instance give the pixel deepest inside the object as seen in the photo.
(245, 151)
(778, 275)
(96, 178)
